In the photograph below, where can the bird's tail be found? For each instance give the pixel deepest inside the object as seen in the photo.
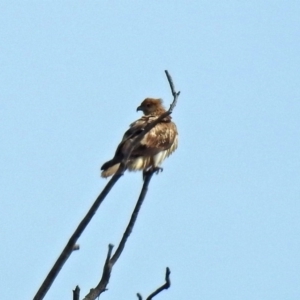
(110, 171)
(110, 167)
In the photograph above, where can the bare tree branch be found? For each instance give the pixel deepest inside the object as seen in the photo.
(72, 241)
(165, 286)
(133, 218)
(101, 287)
(174, 93)
(139, 296)
(109, 263)
(76, 293)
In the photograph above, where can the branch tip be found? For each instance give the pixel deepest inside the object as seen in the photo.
(168, 281)
(76, 293)
(139, 296)
(165, 286)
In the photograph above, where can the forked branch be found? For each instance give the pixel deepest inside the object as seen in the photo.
(76, 293)
(110, 261)
(165, 286)
(72, 241)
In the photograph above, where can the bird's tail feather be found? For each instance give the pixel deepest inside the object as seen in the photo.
(110, 170)
(110, 167)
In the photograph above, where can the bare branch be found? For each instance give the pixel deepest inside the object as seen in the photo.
(139, 296)
(174, 93)
(107, 267)
(101, 287)
(165, 286)
(76, 293)
(133, 218)
(109, 263)
(72, 241)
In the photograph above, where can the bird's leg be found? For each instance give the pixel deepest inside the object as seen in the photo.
(151, 170)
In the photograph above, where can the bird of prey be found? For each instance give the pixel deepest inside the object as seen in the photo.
(154, 147)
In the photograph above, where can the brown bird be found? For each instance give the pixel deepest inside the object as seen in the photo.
(154, 147)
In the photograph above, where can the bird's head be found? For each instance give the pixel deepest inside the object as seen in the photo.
(151, 106)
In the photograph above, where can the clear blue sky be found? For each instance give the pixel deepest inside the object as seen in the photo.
(225, 213)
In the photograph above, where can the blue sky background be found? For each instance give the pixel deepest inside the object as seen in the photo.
(225, 213)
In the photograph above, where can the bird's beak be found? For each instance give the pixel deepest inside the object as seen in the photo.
(139, 108)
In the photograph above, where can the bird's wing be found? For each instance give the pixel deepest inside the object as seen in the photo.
(159, 138)
(136, 128)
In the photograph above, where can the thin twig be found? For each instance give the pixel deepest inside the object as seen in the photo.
(133, 218)
(165, 286)
(72, 241)
(174, 93)
(101, 287)
(109, 263)
(76, 293)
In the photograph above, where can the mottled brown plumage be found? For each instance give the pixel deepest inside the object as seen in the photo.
(155, 146)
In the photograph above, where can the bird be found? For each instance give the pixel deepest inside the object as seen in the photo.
(157, 144)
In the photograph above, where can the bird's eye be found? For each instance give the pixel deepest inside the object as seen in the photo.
(148, 105)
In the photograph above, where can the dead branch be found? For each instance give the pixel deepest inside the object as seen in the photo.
(174, 93)
(76, 293)
(133, 217)
(101, 287)
(72, 241)
(109, 263)
(165, 286)
(139, 296)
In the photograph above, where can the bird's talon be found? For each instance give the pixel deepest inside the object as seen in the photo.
(157, 170)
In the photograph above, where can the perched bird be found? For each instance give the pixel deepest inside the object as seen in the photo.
(154, 147)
